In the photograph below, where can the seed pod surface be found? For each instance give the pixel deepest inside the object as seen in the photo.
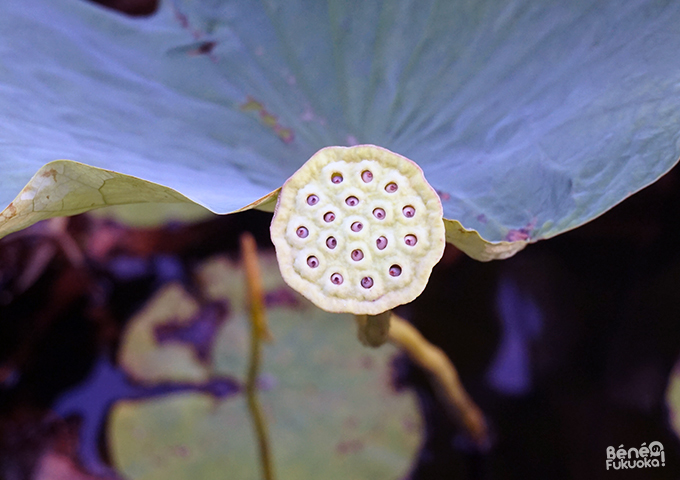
(381, 217)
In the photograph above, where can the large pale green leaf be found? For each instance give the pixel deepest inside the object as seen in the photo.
(530, 118)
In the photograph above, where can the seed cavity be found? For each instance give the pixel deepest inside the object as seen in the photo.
(302, 232)
(379, 213)
(357, 255)
(357, 226)
(336, 178)
(336, 279)
(367, 282)
(329, 217)
(367, 176)
(408, 211)
(410, 240)
(312, 261)
(352, 201)
(395, 270)
(391, 187)
(331, 242)
(312, 199)
(381, 243)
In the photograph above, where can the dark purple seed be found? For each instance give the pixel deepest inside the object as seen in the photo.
(366, 176)
(337, 279)
(331, 242)
(357, 226)
(395, 270)
(312, 261)
(410, 240)
(352, 201)
(329, 217)
(367, 282)
(391, 187)
(379, 213)
(381, 243)
(408, 211)
(302, 232)
(312, 200)
(357, 255)
(336, 178)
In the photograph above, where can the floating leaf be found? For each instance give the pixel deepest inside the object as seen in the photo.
(149, 360)
(529, 118)
(331, 410)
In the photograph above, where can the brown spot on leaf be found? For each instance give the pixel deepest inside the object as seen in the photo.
(135, 8)
(517, 235)
(203, 49)
(251, 105)
(287, 135)
(50, 173)
(521, 234)
(10, 211)
(268, 119)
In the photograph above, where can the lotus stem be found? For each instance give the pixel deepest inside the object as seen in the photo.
(258, 332)
(373, 330)
(460, 407)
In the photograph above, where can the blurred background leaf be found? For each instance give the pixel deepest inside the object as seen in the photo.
(329, 402)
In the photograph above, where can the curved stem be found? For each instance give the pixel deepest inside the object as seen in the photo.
(445, 378)
(258, 332)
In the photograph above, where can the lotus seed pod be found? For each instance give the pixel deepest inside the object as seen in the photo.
(358, 230)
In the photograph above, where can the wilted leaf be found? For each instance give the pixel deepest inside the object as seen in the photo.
(331, 410)
(529, 118)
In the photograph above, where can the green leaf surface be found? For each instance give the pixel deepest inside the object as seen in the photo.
(529, 118)
(328, 401)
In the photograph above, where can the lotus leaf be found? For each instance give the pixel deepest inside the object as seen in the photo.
(529, 118)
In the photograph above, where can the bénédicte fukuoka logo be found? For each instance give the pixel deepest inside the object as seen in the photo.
(643, 457)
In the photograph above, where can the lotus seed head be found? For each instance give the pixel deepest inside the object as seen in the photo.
(372, 239)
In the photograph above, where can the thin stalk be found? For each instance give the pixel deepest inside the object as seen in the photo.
(258, 332)
(373, 329)
(444, 376)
